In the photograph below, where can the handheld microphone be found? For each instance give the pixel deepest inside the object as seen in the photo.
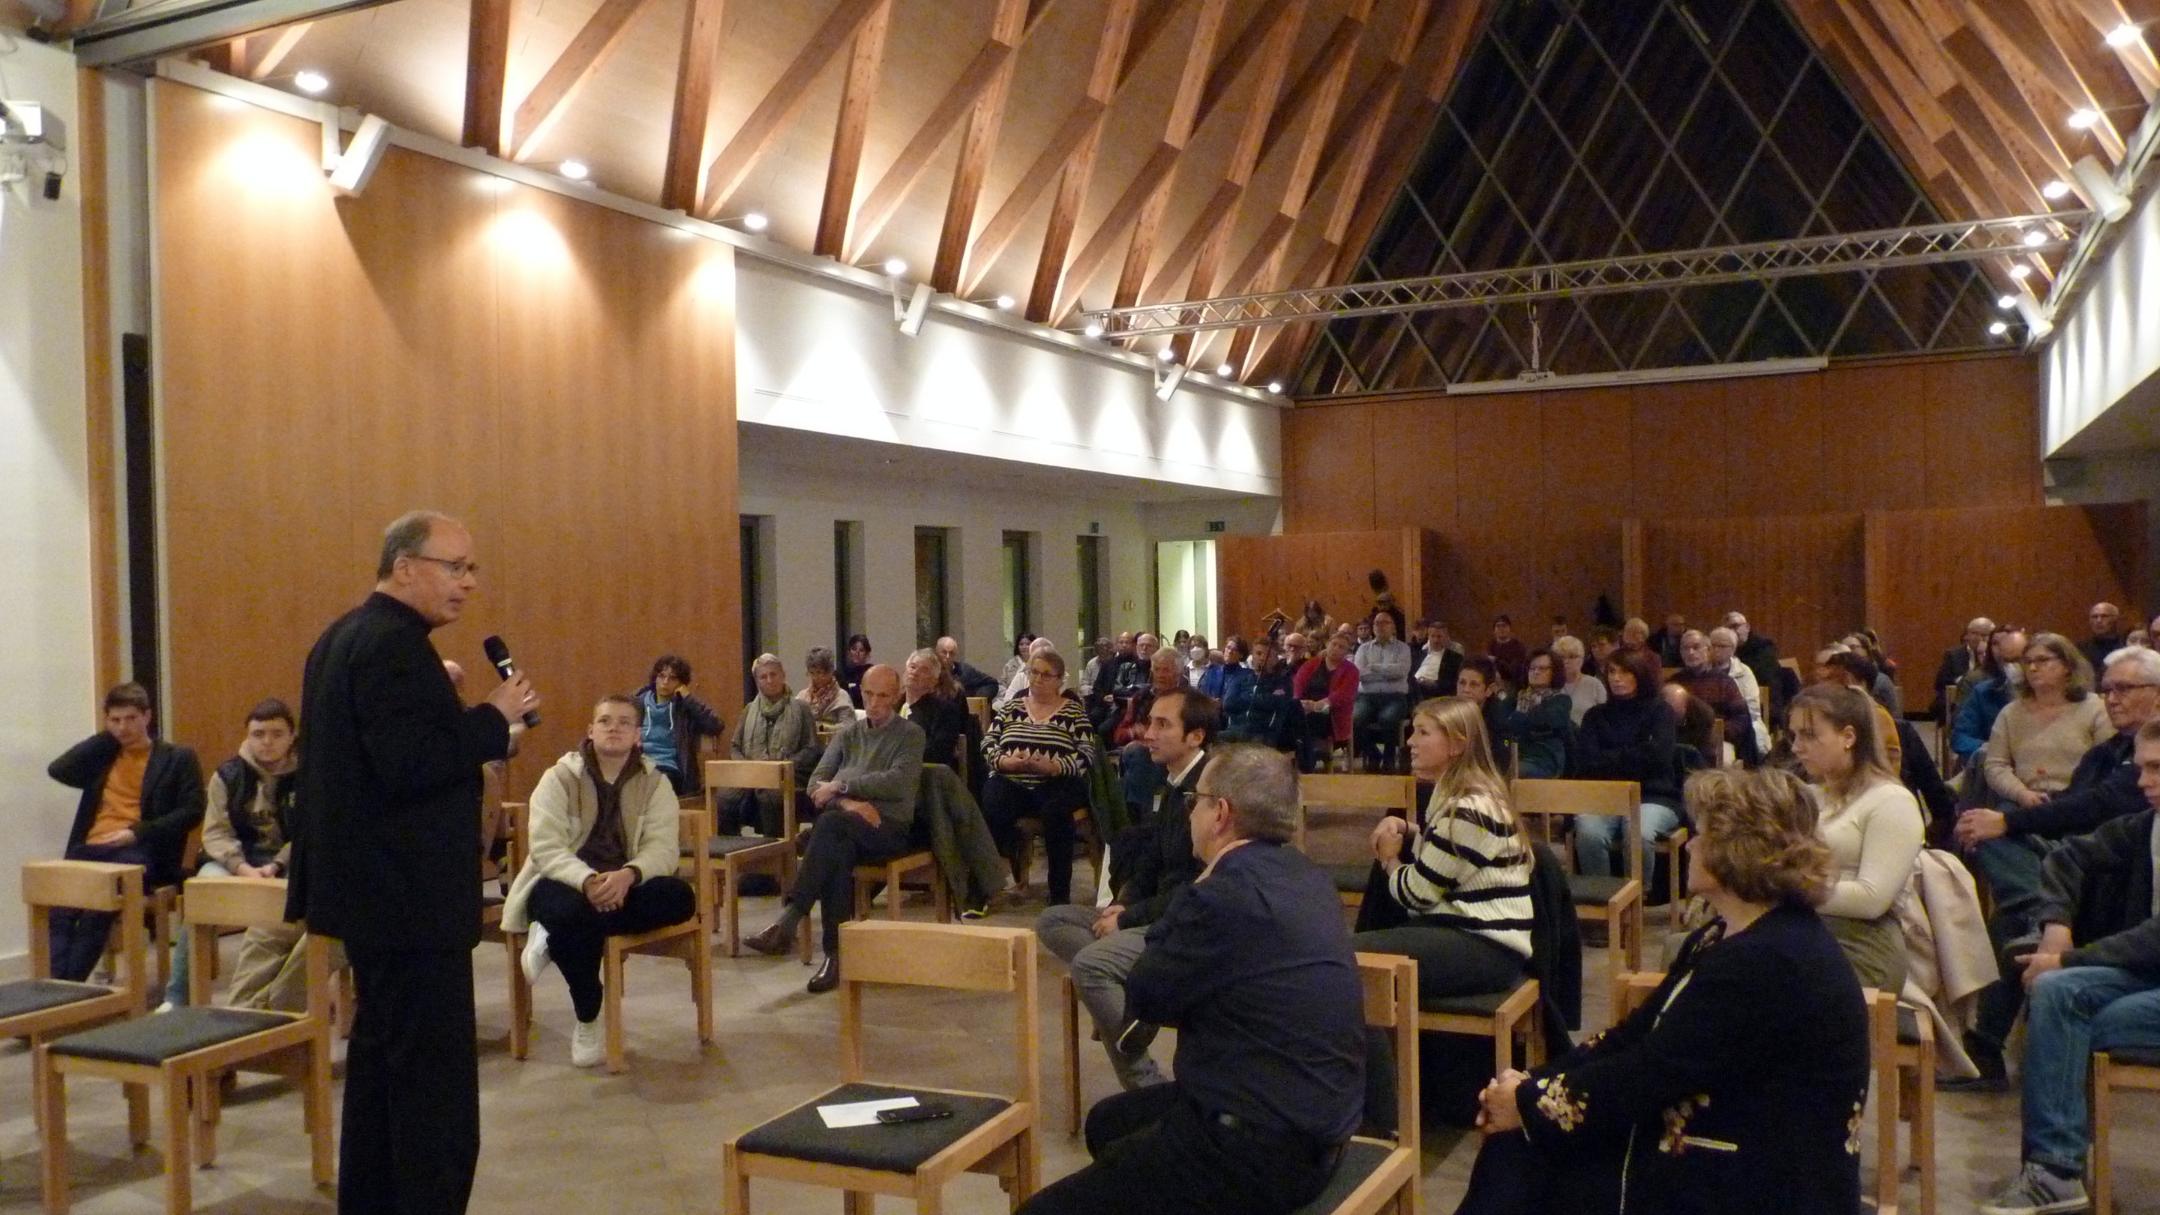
(499, 654)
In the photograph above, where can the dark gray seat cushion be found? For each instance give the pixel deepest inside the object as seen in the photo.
(722, 845)
(900, 1147)
(1908, 1025)
(1484, 1004)
(1593, 891)
(37, 995)
(1350, 879)
(1360, 1159)
(2135, 1056)
(154, 1039)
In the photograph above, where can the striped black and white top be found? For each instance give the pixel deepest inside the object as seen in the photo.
(1064, 738)
(1469, 871)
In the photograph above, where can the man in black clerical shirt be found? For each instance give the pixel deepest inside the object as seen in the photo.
(1252, 965)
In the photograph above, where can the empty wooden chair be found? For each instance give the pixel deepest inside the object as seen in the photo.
(2131, 1068)
(1616, 902)
(987, 1133)
(1382, 1174)
(41, 1007)
(183, 1052)
(731, 857)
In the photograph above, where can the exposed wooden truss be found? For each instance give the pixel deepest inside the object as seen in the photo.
(682, 181)
(576, 65)
(487, 70)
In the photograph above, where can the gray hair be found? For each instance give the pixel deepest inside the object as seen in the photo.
(927, 655)
(405, 537)
(820, 658)
(766, 660)
(1724, 636)
(2145, 661)
(1261, 786)
(1569, 646)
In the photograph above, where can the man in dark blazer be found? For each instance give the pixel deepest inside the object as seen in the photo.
(1959, 659)
(385, 858)
(141, 797)
(1434, 664)
(1252, 964)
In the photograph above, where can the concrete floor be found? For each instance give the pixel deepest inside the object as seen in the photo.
(562, 1139)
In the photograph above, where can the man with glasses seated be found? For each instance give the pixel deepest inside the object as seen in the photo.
(2008, 846)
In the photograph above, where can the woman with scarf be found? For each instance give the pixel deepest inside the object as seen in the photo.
(774, 725)
(1539, 719)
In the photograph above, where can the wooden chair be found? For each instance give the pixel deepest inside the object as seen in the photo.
(1945, 725)
(1509, 1018)
(185, 1051)
(40, 1007)
(1381, 1174)
(2131, 1068)
(1674, 850)
(1616, 902)
(1901, 1050)
(1629, 989)
(1378, 794)
(1025, 830)
(689, 942)
(730, 857)
(987, 1133)
(893, 875)
(980, 707)
(161, 909)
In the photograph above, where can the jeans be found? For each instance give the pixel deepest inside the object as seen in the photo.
(1099, 968)
(1376, 722)
(176, 991)
(2011, 868)
(2074, 1012)
(78, 937)
(839, 841)
(577, 935)
(1598, 836)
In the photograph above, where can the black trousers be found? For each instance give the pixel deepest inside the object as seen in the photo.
(1450, 961)
(1052, 802)
(78, 937)
(411, 1126)
(839, 841)
(1155, 1142)
(577, 935)
(1512, 1176)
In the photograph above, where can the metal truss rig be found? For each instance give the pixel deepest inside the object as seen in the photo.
(1973, 240)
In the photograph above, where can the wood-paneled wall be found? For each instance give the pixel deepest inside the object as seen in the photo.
(1528, 490)
(559, 376)
(1798, 577)
(1256, 575)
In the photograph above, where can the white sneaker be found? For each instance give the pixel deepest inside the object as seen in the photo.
(586, 1049)
(166, 1007)
(534, 961)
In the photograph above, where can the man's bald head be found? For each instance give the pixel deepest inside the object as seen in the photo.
(880, 693)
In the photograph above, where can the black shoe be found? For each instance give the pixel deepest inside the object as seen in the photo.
(827, 976)
(1135, 1038)
(758, 885)
(774, 940)
(1993, 1077)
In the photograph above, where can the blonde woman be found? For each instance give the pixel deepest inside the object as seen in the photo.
(1872, 824)
(2049, 725)
(1462, 877)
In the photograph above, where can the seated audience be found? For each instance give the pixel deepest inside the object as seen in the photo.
(931, 698)
(1262, 710)
(1479, 683)
(2138, 637)
(1164, 674)
(1434, 664)
(1709, 683)
(1724, 656)
(1231, 676)
(865, 787)
(1326, 687)
(1635, 635)
(2007, 846)
(1585, 691)
(1960, 660)
(140, 798)
(854, 666)
(1361, 632)
(1759, 653)
(2094, 979)
(1841, 667)
(2044, 731)
(1200, 659)
(2107, 634)
(1132, 678)
(1013, 679)
(973, 680)
(1020, 682)
(1539, 719)
(774, 725)
(1603, 641)
(1107, 675)
(1037, 753)
(1872, 824)
(1461, 874)
(829, 703)
(1383, 696)
(246, 825)
(1296, 648)
(1883, 687)
(1629, 737)
(676, 724)
(1154, 862)
(1987, 696)
(1665, 642)
(1252, 965)
(1315, 622)
(1696, 728)
(1507, 651)
(1559, 628)
(1739, 1084)
(604, 846)
(1097, 660)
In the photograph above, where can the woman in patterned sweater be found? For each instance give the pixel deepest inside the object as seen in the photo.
(1037, 754)
(1463, 880)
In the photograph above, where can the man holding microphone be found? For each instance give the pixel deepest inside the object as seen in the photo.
(384, 858)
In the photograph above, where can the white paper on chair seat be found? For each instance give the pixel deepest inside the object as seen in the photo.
(860, 1113)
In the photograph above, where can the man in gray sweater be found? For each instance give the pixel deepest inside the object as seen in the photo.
(1383, 698)
(864, 789)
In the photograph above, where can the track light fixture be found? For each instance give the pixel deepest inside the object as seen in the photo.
(2107, 198)
(349, 177)
(1166, 384)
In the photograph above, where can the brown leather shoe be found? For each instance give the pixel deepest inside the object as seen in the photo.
(773, 941)
(827, 976)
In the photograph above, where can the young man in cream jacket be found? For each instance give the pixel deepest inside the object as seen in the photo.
(602, 863)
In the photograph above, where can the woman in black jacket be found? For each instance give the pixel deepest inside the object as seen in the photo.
(1629, 737)
(1739, 1084)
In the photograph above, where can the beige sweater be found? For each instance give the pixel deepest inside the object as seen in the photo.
(564, 807)
(1874, 840)
(2026, 754)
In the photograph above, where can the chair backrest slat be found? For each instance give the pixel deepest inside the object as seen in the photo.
(1574, 796)
(82, 885)
(748, 774)
(1357, 790)
(953, 957)
(1391, 1003)
(234, 902)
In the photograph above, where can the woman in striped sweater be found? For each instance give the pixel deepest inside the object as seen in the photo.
(1037, 754)
(1463, 877)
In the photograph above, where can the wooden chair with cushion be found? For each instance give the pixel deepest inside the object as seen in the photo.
(40, 1007)
(1616, 902)
(2129, 1068)
(1382, 1174)
(1509, 1018)
(689, 942)
(183, 1053)
(1901, 1051)
(731, 857)
(1371, 797)
(987, 1133)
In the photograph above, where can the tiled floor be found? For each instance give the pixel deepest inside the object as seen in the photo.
(563, 1140)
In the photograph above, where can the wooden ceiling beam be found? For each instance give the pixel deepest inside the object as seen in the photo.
(1079, 168)
(681, 182)
(865, 62)
(976, 145)
(487, 70)
(2047, 80)
(278, 49)
(727, 171)
(1889, 93)
(1974, 118)
(2137, 59)
(590, 48)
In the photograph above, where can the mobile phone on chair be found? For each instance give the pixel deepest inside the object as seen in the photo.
(928, 1111)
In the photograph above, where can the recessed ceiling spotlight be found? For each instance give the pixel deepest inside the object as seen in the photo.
(1167, 354)
(1094, 329)
(755, 221)
(1275, 386)
(2084, 120)
(1999, 328)
(1223, 370)
(311, 82)
(2122, 35)
(1005, 303)
(2006, 301)
(2021, 272)
(2036, 238)
(895, 266)
(575, 170)
(2054, 190)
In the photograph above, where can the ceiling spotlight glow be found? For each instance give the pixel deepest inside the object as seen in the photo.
(1094, 329)
(895, 266)
(1275, 386)
(1999, 328)
(2054, 190)
(1005, 303)
(575, 170)
(755, 221)
(2084, 120)
(2122, 35)
(1223, 370)
(311, 82)
(2006, 301)
(2036, 238)
(1167, 354)
(2021, 271)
